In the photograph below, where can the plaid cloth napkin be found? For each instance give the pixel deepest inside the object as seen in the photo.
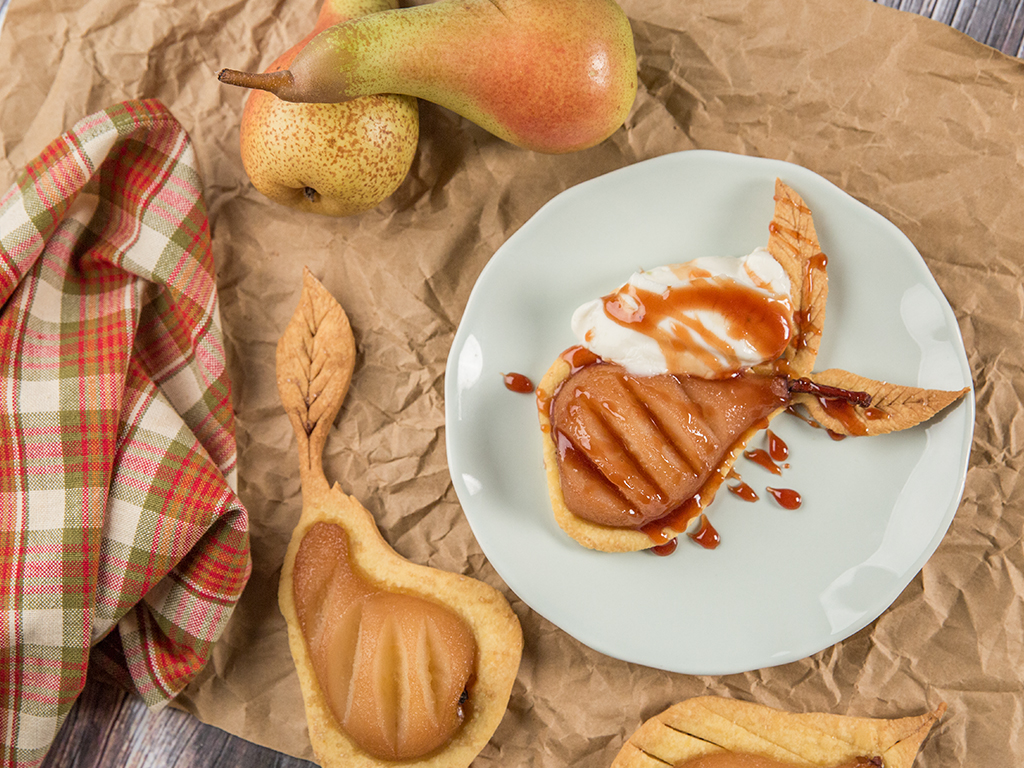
(122, 541)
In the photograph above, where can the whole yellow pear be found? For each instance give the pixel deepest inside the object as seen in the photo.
(333, 159)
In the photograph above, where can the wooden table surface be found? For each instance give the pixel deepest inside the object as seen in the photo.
(113, 729)
(999, 23)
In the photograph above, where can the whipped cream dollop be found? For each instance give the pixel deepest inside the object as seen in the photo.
(710, 317)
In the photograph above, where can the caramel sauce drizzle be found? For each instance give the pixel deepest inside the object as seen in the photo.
(666, 528)
(577, 357)
(762, 458)
(806, 328)
(775, 228)
(793, 411)
(669, 318)
(798, 206)
(843, 412)
(706, 535)
(792, 240)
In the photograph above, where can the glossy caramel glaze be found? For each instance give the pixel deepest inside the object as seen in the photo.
(696, 325)
(632, 449)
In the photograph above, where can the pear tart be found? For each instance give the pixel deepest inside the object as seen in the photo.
(632, 460)
(399, 664)
(717, 732)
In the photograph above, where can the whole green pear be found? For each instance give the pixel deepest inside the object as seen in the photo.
(549, 75)
(334, 159)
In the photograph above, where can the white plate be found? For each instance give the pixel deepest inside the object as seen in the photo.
(782, 585)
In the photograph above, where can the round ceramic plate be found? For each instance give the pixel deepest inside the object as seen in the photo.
(782, 584)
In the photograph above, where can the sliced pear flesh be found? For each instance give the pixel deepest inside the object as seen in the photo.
(395, 667)
(632, 449)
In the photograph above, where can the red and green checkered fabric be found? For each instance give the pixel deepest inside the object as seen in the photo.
(122, 540)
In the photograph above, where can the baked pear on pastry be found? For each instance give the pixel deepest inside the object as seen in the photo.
(400, 664)
(718, 732)
(632, 459)
(640, 425)
(793, 243)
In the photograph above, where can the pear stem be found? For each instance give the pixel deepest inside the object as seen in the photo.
(264, 81)
(853, 397)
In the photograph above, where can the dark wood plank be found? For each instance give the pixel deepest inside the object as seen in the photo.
(109, 728)
(998, 23)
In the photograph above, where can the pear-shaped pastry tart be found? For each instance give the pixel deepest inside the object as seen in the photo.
(632, 458)
(399, 663)
(716, 732)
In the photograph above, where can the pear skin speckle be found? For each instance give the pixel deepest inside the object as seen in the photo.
(332, 159)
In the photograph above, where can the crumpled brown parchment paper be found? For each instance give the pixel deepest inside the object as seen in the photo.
(914, 119)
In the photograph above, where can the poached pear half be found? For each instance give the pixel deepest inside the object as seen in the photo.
(399, 663)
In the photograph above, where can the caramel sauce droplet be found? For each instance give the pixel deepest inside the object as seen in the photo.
(761, 457)
(787, 498)
(777, 447)
(744, 491)
(666, 549)
(517, 382)
(706, 535)
(875, 414)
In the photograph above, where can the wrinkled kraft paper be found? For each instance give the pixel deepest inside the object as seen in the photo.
(912, 118)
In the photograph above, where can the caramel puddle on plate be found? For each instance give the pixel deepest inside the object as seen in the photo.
(399, 663)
